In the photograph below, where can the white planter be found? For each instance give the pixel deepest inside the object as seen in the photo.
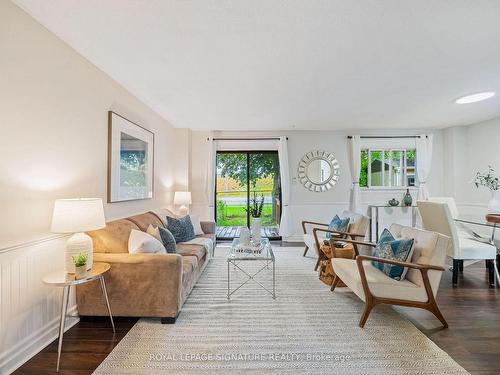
(256, 230)
(80, 272)
(494, 203)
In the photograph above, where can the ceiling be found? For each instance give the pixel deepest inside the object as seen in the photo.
(291, 64)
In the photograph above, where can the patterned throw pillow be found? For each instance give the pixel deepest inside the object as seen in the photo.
(390, 248)
(181, 228)
(338, 224)
(163, 235)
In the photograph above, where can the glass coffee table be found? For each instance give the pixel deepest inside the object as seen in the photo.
(240, 254)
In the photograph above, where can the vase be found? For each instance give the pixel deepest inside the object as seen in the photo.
(80, 272)
(256, 230)
(494, 203)
(244, 236)
(407, 199)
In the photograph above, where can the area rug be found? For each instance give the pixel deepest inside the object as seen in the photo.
(306, 330)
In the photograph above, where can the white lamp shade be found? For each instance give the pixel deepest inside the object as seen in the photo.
(182, 197)
(77, 215)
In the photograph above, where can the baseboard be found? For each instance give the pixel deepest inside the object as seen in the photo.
(295, 238)
(20, 353)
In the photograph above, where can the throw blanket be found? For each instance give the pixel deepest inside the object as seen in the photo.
(207, 243)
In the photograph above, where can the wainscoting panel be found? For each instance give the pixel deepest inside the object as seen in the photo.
(29, 309)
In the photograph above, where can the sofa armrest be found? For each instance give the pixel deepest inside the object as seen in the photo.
(208, 227)
(138, 285)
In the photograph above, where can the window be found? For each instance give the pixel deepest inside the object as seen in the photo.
(387, 168)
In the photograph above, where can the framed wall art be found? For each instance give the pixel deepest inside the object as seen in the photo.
(130, 160)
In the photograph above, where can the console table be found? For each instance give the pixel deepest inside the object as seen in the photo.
(376, 207)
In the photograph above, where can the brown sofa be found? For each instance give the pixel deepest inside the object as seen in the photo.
(142, 285)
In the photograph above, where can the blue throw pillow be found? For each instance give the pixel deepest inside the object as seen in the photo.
(390, 248)
(338, 224)
(181, 228)
(168, 240)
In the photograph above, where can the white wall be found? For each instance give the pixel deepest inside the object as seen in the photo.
(303, 203)
(470, 149)
(53, 117)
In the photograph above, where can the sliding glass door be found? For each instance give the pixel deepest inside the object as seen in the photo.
(243, 178)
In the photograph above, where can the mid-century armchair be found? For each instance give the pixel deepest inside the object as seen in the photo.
(418, 289)
(358, 225)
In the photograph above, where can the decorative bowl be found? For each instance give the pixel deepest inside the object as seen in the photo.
(393, 202)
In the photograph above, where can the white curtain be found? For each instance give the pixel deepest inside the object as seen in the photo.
(355, 165)
(424, 158)
(210, 178)
(286, 225)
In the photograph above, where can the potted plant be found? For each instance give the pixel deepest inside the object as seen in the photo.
(492, 182)
(255, 209)
(80, 262)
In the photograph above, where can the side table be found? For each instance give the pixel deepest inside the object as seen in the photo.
(326, 273)
(65, 280)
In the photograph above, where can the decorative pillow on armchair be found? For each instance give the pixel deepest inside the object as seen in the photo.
(390, 248)
(181, 228)
(338, 224)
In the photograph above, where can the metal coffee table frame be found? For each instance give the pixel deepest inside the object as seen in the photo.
(235, 258)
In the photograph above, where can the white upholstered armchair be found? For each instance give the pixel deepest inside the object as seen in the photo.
(418, 289)
(438, 216)
(358, 225)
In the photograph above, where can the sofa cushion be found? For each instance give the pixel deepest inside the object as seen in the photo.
(207, 243)
(144, 220)
(379, 283)
(114, 237)
(181, 228)
(189, 263)
(162, 213)
(188, 250)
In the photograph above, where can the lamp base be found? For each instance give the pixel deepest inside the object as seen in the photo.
(77, 244)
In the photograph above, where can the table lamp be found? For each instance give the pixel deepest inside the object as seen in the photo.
(77, 216)
(182, 199)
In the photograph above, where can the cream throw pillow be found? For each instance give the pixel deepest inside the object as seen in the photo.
(155, 232)
(195, 220)
(142, 242)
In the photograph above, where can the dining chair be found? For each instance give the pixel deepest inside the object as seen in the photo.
(417, 289)
(437, 216)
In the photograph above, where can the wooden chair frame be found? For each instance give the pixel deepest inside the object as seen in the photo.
(304, 228)
(338, 235)
(371, 301)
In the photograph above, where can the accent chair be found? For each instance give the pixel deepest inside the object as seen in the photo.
(358, 225)
(418, 289)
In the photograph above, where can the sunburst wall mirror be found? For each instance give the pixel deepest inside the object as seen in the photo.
(318, 171)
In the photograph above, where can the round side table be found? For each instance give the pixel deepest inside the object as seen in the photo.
(66, 280)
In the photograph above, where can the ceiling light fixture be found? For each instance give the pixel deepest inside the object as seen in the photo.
(475, 97)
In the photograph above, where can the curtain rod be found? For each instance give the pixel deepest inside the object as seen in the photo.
(386, 136)
(246, 139)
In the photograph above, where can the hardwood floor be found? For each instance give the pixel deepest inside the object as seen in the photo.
(472, 311)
